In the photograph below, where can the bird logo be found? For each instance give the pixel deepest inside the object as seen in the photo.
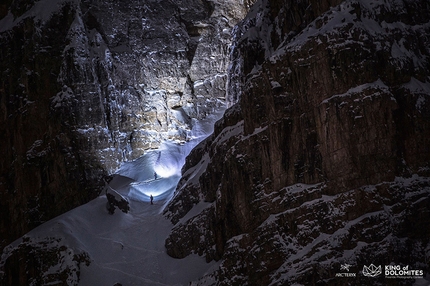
(345, 267)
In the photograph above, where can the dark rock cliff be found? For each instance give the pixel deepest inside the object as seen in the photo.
(86, 85)
(43, 172)
(324, 159)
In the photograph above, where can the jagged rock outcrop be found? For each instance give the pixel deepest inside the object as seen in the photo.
(43, 172)
(324, 160)
(86, 85)
(115, 199)
(32, 263)
(152, 66)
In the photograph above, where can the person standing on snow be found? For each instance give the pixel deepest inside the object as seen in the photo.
(155, 176)
(152, 198)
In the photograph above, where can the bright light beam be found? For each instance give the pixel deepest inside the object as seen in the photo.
(159, 188)
(167, 162)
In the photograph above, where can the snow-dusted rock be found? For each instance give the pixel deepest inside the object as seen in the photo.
(115, 199)
(46, 261)
(86, 85)
(324, 159)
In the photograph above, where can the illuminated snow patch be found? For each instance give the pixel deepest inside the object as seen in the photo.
(159, 189)
(166, 162)
(171, 158)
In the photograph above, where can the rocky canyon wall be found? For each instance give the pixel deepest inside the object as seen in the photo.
(324, 158)
(86, 85)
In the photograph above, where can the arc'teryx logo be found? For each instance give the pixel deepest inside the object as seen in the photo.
(372, 270)
(345, 267)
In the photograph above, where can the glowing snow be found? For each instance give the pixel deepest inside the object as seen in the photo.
(166, 162)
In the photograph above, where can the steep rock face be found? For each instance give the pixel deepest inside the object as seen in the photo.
(149, 67)
(328, 142)
(32, 263)
(86, 85)
(43, 172)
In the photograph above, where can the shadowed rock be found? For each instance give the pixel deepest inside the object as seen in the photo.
(324, 157)
(116, 200)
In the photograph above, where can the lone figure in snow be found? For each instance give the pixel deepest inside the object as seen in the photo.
(155, 176)
(152, 198)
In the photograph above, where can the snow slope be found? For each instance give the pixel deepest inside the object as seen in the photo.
(128, 248)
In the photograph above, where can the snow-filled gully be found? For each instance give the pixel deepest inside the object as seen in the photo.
(128, 248)
(158, 172)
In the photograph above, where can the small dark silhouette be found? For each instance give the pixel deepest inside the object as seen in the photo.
(152, 198)
(155, 176)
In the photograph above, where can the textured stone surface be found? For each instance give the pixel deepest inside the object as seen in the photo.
(45, 262)
(86, 85)
(43, 171)
(332, 110)
(116, 200)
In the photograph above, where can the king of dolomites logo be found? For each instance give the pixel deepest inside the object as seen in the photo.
(372, 270)
(397, 271)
